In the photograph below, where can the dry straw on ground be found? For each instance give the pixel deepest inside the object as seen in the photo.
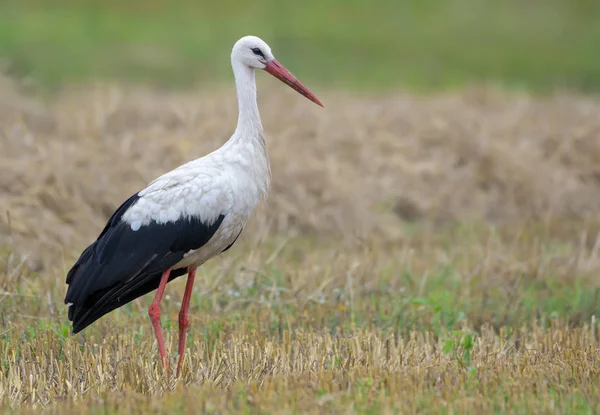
(360, 165)
(294, 345)
(313, 373)
(305, 325)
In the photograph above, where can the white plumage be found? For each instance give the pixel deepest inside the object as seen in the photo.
(184, 217)
(230, 181)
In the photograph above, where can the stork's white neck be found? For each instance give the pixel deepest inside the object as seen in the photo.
(249, 123)
(248, 138)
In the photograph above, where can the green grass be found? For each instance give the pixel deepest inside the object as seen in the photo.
(501, 323)
(421, 44)
(524, 281)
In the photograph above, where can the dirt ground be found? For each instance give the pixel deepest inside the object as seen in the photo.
(364, 165)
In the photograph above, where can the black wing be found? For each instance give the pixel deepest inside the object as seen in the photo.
(122, 264)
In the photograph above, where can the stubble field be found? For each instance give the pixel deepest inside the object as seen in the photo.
(432, 253)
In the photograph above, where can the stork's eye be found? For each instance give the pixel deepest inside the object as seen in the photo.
(258, 52)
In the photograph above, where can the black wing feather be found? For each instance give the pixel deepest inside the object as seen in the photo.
(122, 264)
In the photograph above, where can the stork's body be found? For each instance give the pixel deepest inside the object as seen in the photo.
(184, 217)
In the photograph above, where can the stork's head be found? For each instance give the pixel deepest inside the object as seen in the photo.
(255, 53)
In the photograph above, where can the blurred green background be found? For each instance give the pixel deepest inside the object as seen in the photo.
(363, 44)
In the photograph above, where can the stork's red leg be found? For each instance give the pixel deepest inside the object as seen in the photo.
(154, 313)
(184, 321)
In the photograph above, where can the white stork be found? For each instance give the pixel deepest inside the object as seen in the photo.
(184, 217)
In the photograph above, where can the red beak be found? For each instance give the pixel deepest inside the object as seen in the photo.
(278, 71)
